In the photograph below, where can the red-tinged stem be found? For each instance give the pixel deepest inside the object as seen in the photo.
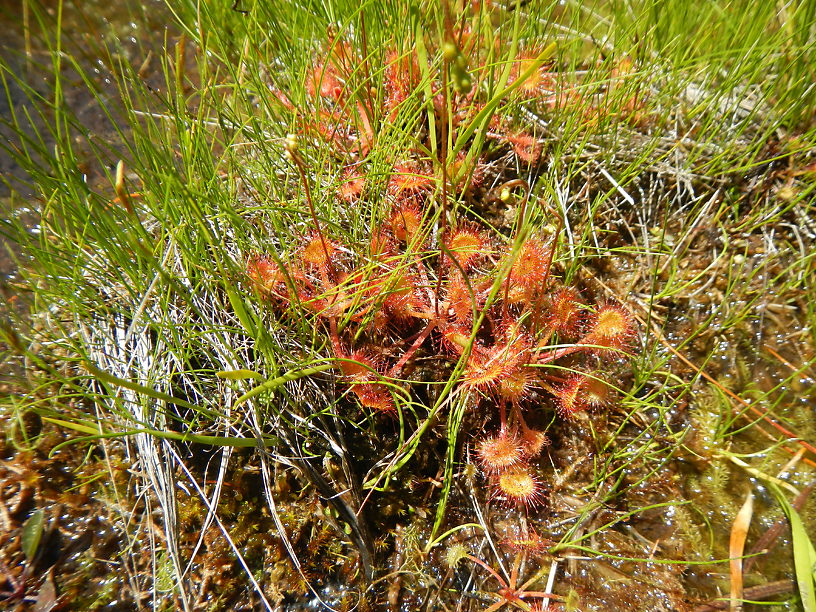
(421, 314)
(335, 337)
(423, 335)
(368, 131)
(542, 594)
(551, 254)
(515, 570)
(545, 339)
(424, 282)
(324, 277)
(522, 209)
(549, 388)
(524, 427)
(298, 161)
(492, 572)
(548, 357)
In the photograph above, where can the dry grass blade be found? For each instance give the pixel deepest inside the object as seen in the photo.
(739, 531)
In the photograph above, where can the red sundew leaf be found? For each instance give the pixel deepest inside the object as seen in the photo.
(376, 397)
(519, 487)
(352, 185)
(408, 179)
(405, 222)
(459, 296)
(528, 148)
(541, 78)
(528, 540)
(500, 452)
(533, 441)
(529, 271)
(318, 252)
(569, 396)
(455, 337)
(565, 312)
(264, 271)
(468, 245)
(402, 76)
(610, 329)
(383, 247)
(322, 80)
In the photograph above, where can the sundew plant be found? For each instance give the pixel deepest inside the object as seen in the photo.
(412, 306)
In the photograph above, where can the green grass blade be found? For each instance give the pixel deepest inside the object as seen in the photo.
(483, 117)
(804, 555)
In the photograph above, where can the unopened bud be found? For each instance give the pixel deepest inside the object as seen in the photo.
(290, 147)
(450, 51)
(291, 142)
(464, 84)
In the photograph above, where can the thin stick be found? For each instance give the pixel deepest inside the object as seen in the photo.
(297, 160)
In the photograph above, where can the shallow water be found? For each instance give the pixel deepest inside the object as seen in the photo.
(130, 28)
